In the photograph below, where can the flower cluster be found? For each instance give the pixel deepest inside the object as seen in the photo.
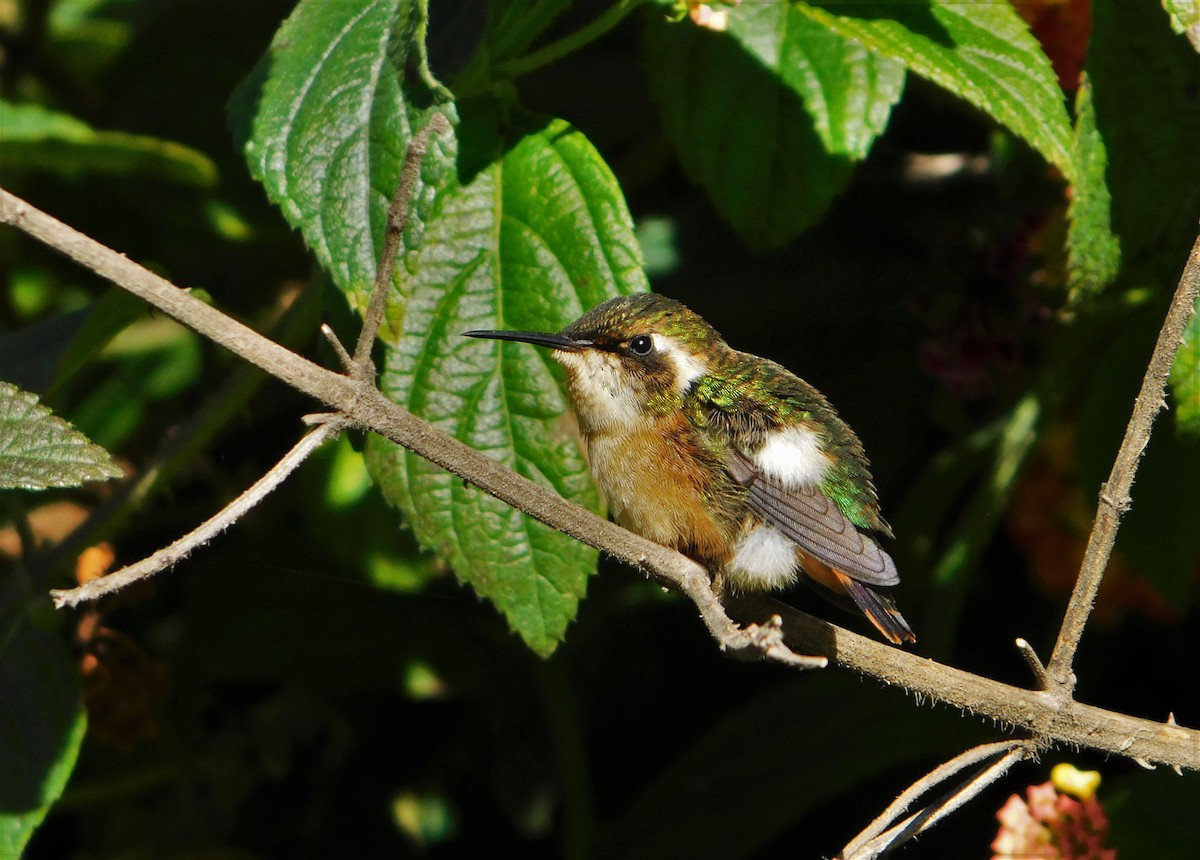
(703, 14)
(1061, 820)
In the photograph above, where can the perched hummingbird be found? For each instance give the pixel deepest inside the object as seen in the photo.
(727, 457)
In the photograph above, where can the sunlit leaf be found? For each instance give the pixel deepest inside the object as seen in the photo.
(770, 116)
(534, 239)
(513, 224)
(326, 126)
(982, 52)
(38, 450)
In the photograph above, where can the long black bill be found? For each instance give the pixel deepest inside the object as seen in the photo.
(554, 341)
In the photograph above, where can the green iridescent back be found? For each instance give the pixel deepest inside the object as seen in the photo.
(745, 398)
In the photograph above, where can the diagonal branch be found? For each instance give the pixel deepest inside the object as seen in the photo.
(1050, 718)
(1114, 494)
(393, 232)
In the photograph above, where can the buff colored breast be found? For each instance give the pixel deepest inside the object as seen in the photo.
(657, 488)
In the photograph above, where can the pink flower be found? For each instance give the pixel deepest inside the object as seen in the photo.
(1053, 824)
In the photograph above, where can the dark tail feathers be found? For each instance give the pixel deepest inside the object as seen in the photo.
(879, 609)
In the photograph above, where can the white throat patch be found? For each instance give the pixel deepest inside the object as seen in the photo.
(604, 395)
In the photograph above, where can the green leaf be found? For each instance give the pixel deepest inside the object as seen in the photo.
(1185, 18)
(42, 725)
(326, 127)
(1150, 126)
(1093, 251)
(34, 138)
(847, 90)
(770, 116)
(982, 52)
(1185, 379)
(535, 238)
(510, 226)
(38, 450)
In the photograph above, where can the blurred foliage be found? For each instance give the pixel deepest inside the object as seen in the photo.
(961, 222)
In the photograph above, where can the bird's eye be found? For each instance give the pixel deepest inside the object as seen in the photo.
(641, 345)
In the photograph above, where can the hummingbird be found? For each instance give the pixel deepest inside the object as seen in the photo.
(724, 456)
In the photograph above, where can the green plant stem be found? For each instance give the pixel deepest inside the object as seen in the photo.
(570, 43)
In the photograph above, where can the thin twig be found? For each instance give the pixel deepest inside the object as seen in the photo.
(1069, 722)
(953, 800)
(922, 786)
(1035, 664)
(1114, 494)
(393, 233)
(346, 359)
(203, 533)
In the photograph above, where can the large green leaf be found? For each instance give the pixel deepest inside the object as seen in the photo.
(326, 126)
(982, 52)
(42, 724)
(536, 237)
(38, 450)
(34, 138)
(770, 116)
(514, 224)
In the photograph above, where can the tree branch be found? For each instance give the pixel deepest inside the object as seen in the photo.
(393, 232)
(1114, 494)
(1036, 711)
(1048, 717)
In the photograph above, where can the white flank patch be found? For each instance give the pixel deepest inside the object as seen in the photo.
(688, 368)
(763, 559)
(604, 398)
(793, 457)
